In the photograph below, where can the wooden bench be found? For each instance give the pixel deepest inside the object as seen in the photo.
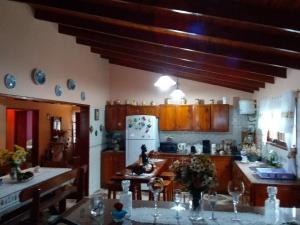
(46, 194)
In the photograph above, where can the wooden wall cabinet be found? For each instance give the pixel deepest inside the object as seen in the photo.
(151, 110)
(115, 117)
(167, 117)
(111, 162)
(184, 117)
(132, 110)
(219, 117)
(201, 117)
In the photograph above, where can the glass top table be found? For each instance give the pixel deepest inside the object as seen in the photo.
(80, 213)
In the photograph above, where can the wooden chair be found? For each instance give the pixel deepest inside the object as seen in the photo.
(113, 187)
(46, 194)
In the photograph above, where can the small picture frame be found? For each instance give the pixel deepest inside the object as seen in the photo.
(97, 114)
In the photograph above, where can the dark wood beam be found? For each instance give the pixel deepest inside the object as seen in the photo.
(227, 48)
(140, 51)
(236, 10)
(200, 24)
(152, 60)
(182, 75)
(229, 64)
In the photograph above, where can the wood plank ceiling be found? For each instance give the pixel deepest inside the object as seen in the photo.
(239, 44)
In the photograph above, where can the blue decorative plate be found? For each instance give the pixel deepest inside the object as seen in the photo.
(38, 76)
(71, 84)
(58, 90)
(10, 81)
(82, 95)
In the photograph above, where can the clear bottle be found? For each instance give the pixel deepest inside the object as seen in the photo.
(272, 210)
(126, 197)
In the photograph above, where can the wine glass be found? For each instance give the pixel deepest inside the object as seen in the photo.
(156, 185)
(177, 200)
(235, 189)
(212, 198)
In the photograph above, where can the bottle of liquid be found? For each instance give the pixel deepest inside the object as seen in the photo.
(126, 197)
(272, 206)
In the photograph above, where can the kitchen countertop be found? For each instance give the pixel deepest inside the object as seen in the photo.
(186, 154)
(255, 179)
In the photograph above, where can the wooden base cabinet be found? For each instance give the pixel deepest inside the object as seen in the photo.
(223, 167)
(111, 162)
(256, 188)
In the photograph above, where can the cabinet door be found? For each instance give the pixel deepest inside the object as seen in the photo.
(149, 110)
(132, 110)
(223, 165)
(106, 167)
(110, 117)
(201, 117)
(219, 117)
(111, 162)
(184, 117)
(167, 118)
(115, 117)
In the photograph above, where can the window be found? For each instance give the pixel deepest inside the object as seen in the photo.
(277, 120)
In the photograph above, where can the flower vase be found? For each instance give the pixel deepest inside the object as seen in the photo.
(14, 172)
(196, 207)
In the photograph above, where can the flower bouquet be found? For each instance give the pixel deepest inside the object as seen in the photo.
(14, 159)
(198, 175)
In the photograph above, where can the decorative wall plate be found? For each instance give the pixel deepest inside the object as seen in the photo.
(58, 90)
(82, 95)
(38, 76)
(71, 84)
(10, 81)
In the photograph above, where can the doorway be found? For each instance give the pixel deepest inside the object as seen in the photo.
(22, 128)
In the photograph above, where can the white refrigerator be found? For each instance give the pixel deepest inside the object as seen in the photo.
(140, 129)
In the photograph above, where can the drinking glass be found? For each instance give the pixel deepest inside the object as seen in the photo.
(212, 198)
(96, 205)
(156, 185)
(177, 200)
(235, 189)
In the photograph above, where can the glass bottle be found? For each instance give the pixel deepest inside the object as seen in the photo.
(126, 197)
(272, 206)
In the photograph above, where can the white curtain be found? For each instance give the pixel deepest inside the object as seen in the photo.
(278, 114)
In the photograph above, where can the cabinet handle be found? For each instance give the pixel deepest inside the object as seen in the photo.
(119, 124)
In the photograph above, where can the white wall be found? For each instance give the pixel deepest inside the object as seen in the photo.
(27, 43)
(129, 83)
(292, 82)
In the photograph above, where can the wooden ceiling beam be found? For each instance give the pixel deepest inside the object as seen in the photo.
(170, 37)
(152, 59)
(229, 64)
(200, 24)
(192, 74)
(174, 69)
(154, 69)
(177, 61)
(236, 10)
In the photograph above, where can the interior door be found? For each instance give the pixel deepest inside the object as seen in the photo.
(20, 128)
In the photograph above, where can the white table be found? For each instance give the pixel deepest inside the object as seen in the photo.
(10, 191)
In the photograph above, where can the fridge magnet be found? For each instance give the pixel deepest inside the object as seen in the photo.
(96, 114)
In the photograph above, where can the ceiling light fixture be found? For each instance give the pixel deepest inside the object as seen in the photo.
(164, 83)
(177, 94)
